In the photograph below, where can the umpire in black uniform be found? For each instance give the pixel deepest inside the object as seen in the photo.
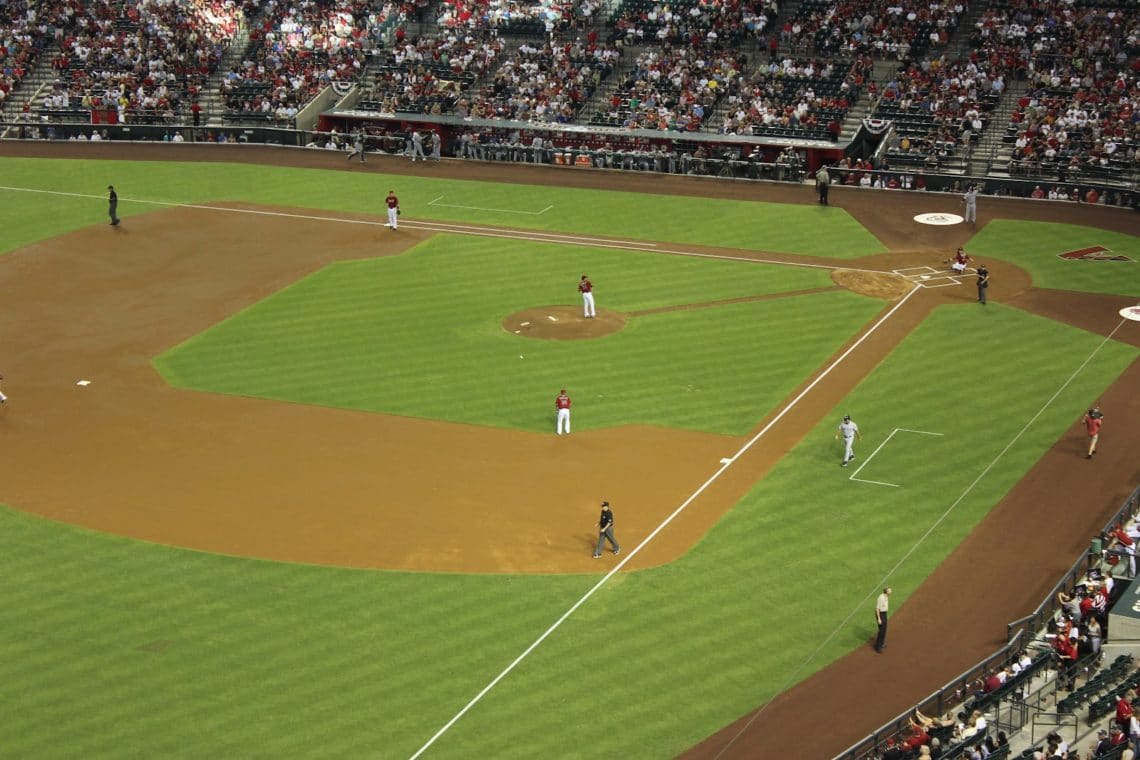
(113, 205)
(606, 531)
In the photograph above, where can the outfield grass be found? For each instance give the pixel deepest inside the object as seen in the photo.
(410, 334)
(785, 228)
(114, 647)
(1035, 246)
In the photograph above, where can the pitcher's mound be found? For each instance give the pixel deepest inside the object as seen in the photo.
(875, 284)
(562, 323)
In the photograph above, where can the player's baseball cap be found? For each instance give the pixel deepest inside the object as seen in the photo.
(847, 418)
(605, 503)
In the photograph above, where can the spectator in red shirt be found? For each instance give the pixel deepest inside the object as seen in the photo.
(1124, 710)
(992, 683)
(917, 738)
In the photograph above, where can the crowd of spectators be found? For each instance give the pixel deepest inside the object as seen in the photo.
(726, 23)
(784, 96)
(939, 108)
(26, 29)
(900, 29)
(430, 74)
(1080, 64)
(520, 16)
(143, 61)
(299, 48)
(548, 82)
(673, 88)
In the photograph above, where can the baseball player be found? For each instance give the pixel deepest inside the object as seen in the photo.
(418, 146)
(1093, 421)
(606, 531)
(113, 205)
(3, 398)
(960, 261)
(586, 288)
(971, 200)
(562, 407)
(850, 432)
(436, 146)
(357, 145)
(393, 208)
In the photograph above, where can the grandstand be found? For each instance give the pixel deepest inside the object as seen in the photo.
(1017, 95)
(947, 89)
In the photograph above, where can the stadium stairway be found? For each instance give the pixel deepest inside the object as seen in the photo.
(211, 100)
(36, 82)
(991, 154)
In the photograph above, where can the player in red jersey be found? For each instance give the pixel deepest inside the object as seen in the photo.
(562, 405)
(1093, 421)
(393, 208)
(586, 288)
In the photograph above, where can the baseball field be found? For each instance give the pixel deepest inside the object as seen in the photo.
(281, 481)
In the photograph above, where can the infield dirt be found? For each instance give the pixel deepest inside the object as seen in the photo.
(251, 477)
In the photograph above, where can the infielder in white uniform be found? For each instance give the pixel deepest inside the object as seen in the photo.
(850, 432)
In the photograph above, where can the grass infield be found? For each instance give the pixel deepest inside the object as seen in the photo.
(410, 334)
(1036, 247)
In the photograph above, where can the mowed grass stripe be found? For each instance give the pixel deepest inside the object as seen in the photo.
(1035, 246)
(229, 664)
(714, 612)
(381, 336)
(787, 228)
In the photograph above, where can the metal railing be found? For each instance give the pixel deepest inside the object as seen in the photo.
(1017, 631)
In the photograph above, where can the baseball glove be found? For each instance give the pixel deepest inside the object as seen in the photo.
(397, 212)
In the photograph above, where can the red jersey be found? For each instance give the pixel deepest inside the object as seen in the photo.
(392, 201)
(962, 258)
(1123, 710)
(585, 286)
(1092, 424)
(562, 402)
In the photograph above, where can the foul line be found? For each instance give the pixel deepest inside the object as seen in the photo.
(867, 461)
(794, 676)
(435, 202)
(724, 465)
(462, 229)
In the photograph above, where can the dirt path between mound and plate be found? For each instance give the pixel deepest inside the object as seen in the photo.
(253, 477)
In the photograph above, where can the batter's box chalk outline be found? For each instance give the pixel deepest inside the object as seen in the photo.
(867, 461)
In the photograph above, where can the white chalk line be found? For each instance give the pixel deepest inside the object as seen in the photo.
(793, 677)
(462, 229)
(725, 464)
(867, 461)
(435, 202)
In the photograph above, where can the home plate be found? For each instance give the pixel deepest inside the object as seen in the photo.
(84, 383)
(925, 277)
(552, 319)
